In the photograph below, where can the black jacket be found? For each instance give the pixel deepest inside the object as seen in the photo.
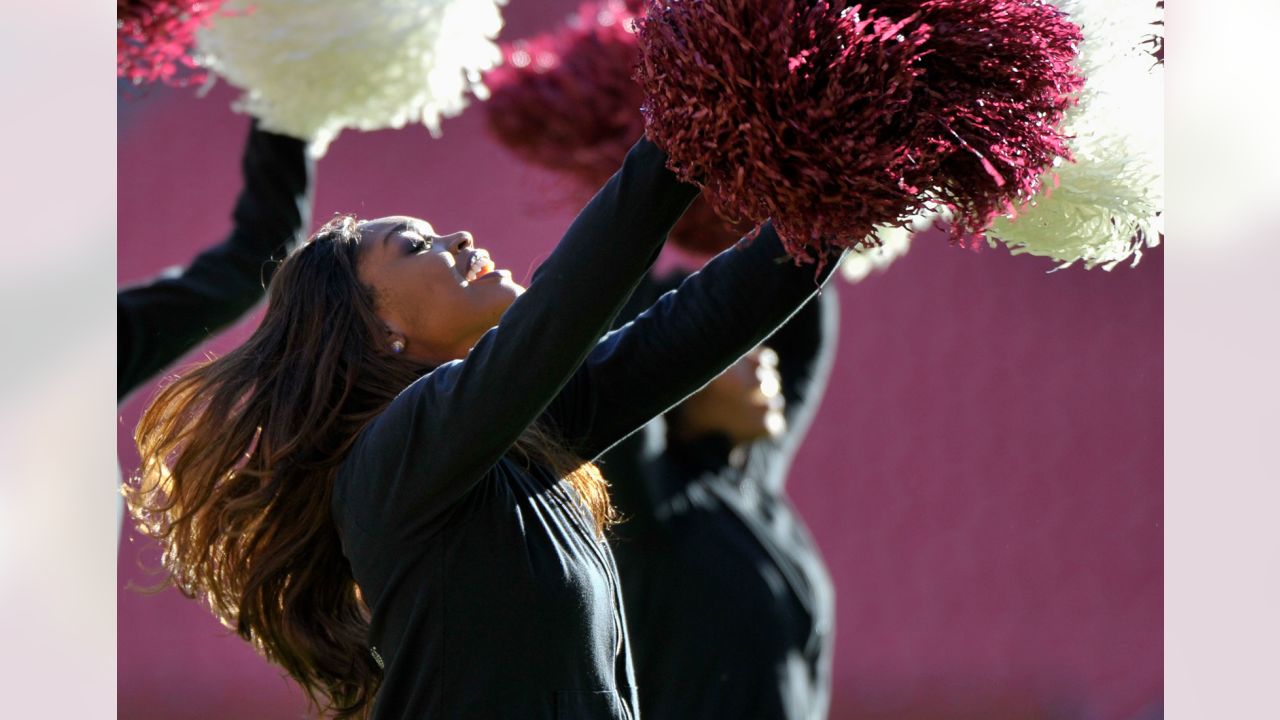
(492, 597)
(729, 604)
(159, 321)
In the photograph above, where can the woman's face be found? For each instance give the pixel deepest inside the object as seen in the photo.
(744, 403)
(436, 293)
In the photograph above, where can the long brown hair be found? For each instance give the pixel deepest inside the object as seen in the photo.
(239, 457)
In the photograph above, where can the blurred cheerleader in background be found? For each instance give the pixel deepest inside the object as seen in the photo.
(730, 606)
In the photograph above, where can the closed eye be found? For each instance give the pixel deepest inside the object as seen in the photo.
(418, 244)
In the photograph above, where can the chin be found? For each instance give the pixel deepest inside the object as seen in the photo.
(496, 297)
(509, 294)
(509, 289)
(496, 304)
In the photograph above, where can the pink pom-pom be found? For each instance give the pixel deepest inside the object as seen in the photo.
(154, 39)
(832, 118)
(567, 101)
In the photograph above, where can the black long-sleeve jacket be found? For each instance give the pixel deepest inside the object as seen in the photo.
(491, 594)
(730, 607)
(159, 321)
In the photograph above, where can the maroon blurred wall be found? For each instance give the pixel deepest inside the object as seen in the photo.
(984, 477)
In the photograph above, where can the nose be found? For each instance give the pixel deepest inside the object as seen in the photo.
(459, 241)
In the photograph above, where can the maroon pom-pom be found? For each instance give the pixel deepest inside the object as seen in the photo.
(832, 118)
(154, 39)
(567, 101)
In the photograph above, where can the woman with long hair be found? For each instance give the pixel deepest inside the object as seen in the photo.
(388, 489)
(730, 607)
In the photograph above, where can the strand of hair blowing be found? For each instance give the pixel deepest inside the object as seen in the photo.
(238, 462)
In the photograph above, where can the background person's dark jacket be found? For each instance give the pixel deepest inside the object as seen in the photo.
(159, 321)
(730, 607)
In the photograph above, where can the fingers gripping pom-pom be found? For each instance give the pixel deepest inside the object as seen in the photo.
(567, 101)
(832, 118)
(310, 68)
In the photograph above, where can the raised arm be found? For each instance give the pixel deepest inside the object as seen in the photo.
(160, 320)
(441, 435)
(683, 341)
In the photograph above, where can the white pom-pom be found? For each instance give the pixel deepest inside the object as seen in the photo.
(894, 242)
(1105, 207)
(310, 68)
(1104, 210)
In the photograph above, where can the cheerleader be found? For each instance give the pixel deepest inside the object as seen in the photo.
(388, 489)
(729, 604)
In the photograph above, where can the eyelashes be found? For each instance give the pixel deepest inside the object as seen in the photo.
(419, 244)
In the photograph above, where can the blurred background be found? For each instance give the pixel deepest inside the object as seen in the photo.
(984, 477)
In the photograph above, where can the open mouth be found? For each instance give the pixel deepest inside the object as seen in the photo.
(478, 265)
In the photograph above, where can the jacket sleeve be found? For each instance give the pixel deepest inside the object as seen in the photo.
(439, 437)
(683, 341)
(159, 321)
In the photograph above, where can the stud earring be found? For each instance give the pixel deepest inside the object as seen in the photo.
(397, 346)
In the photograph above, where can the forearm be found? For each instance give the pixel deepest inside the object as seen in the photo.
(688, 337)
(159, 322)
(273, 212)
